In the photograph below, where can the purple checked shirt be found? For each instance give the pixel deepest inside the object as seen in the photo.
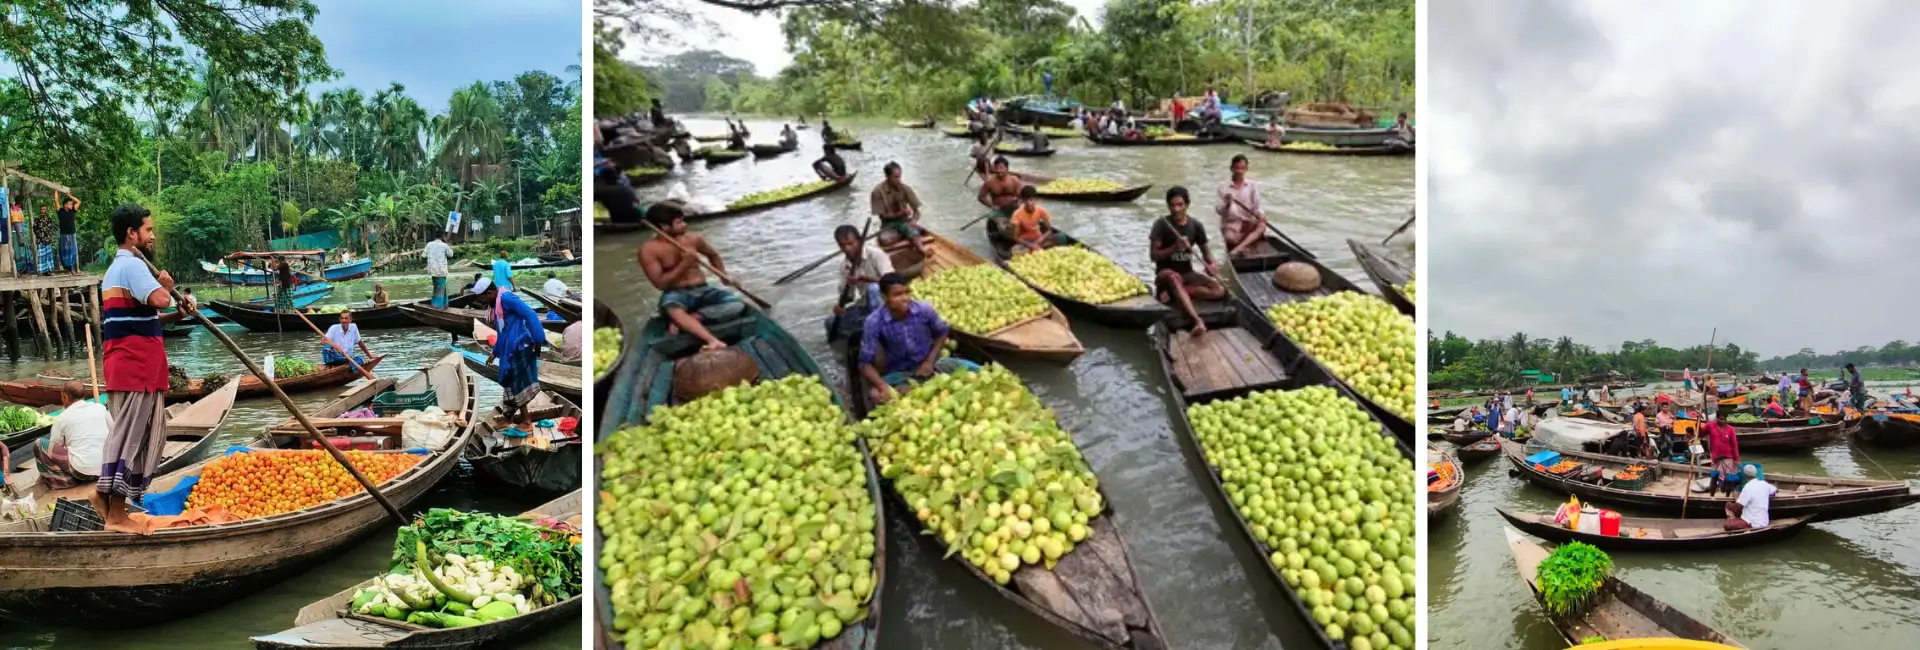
(905, 340)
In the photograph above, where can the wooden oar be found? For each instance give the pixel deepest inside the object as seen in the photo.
(1397, 231)
(757, 300)
(281, 395)
(1272, 229)
(1183, 239)
(816, 263)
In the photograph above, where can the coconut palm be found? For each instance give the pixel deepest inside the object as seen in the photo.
(472, 130)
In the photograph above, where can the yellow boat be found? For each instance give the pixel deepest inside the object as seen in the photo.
(1655, 644)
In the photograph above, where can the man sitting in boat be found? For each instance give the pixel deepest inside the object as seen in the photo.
(736, 138)
(70, 455)
(1773, 409)
(1172, 243)
(555, 288)
(789, 139)
(1750, 510)
(516, 346)
(570, 341)
(1461, 422)
(379, 295)
(685, 296)
(1276, 134)
(1037, 140)
(898, 208)
(1723, 446)
(859, 281)
(826, 131)
(903, 342)
(1242, 222)
(830, 166)
(344, 335)
(473, 286)
(1031, 225)
(1403, 132)
(1001, 192)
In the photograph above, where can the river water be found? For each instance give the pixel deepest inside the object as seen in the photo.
(1202, 577)
(1853, 581)
(273, 609)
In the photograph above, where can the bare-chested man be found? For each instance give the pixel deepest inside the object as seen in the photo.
(684, 291)
(898, 208)
(1002, 189)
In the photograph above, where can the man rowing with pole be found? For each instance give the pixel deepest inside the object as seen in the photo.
(1001, 192)
(1242, 222)
(135, 365)
(1171, 244)
(861, 267)
(685, 295)
(346, 336)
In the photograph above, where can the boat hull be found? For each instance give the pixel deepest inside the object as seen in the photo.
(1839, 504)
(265, 319)
(1532, 524)
(349, 271)
(1893, 433)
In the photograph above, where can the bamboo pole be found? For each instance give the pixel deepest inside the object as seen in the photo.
(40, 335)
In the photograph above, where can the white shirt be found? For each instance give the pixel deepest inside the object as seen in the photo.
(555, 288)
(873, 263)
(1786, 383)
(437, 253)
(1754, 500)
(84, 427)
(347, 339)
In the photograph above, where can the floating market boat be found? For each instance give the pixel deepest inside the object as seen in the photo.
(99, 579)
(764, 151)
(927, 124)
(1052, 132)
(1443, 497)
(267, 319)
(190, 435)
(849, 145)
(1327, 150)
(1137, 312)
(1621, 612)
(1478, 451)
(1232, 360)
(1023, 152)
(303, 297)
(957, 133)
(718, 157)
(1254, 128)
(610, 226)
(327, 623)
(568, 308)
(644, 382)
(1122, 195)
(1825, 497)
(1387, 275)
(1092, 592)
(1164, 141)
(1056, 112)
(1892, 430)
(46, 392)
(1656, 533)
(647, 175)
(1777, 438)
(1464, 438)
(604, 317)
(557, 377)
(450, 389)
(248, 275)
(353, 270)
(17, 442)
(545, 461)
(1047, 337)
(459, 322)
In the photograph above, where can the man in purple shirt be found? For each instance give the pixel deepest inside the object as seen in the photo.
(902, 342)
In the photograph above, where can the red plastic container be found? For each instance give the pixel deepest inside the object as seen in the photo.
(1610, 523)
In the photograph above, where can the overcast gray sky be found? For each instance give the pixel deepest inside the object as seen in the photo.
(757, 39)
(436, 46)
(1618, 171)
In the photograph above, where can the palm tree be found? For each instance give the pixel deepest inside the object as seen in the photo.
(211, 118)
(1516, 349)
(1563, 357)
(472, 130)
(346, 110)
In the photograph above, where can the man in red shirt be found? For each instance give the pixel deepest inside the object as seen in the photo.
(1724, 445)
(135, 364)
(1179, 111)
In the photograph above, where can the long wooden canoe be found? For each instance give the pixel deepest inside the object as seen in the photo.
(1387, 275)
(326, 624)
(1777, 438)
(1465, 438)
(764, 151)
(1622, 611)
(1443, 498)
(644, 383)
(604, 317)
(38, 393)
(1892, 430)
(191, 433)
(1137, 312)
(459, 322)
(1123, 195)
(453, 392)
(1232, 360)
(568, 308)
(1656, 533)
(1824, 497)
(1023, 152)
(265, 319)
(1047, 337)
(1252, 275)
(1164, 142)
(1380, 150)
(97, 579)
(1098, 573)
(1478, 451)
(552, 469)
(610, 226)
(557, 377)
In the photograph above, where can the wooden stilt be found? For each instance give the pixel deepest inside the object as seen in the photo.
(13, 327)
(40, 335)
(93, 313)
(71, 342)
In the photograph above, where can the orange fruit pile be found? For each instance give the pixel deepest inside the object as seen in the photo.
(260, 484)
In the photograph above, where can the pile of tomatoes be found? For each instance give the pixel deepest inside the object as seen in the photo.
(264, 483)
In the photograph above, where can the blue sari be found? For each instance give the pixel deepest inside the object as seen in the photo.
(517, 346)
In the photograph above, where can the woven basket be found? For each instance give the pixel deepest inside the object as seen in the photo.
(1297, 277)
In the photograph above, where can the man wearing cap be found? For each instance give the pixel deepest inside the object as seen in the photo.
(1750, 510)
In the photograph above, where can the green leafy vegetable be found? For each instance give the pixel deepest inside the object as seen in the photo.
(1571, 575)
(547, 555)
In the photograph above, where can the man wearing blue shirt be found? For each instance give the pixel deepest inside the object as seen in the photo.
(902, 342)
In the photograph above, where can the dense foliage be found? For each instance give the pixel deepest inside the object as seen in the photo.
(205, 114)
(1455, 362)
(1572, 575)
(916, 58)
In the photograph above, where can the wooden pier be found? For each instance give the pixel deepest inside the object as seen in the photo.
(53, 311)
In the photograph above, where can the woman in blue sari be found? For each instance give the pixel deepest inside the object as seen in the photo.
(517, 347)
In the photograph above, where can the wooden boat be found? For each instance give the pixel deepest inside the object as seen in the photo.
(1379, 150)
(249, 276)
(608, 226)
(1184, 141)
(353, 270)
(568, 308)
(1230, 361)
(1023, 152)
(453, 393)
(1656, 533)
(1621, 611)
(957, 133)
(643, 384)
(266, 319)
(190, 435)
(555, 377)
(763, 151)
(459, 322)
(717, 157)
(1122, 195)
(604, 317)
(1387, 275)
(97, 579)
(1478, 451)
(37, 393)
(927, 124)
(849, 145)
(326, 623)
(647, 175)
(1052, 132)
(1467, 438)
(554, 469)
(1257, 131)
(1098, 573)
(1047, 337)
(1138, 312)
(18, 441)
(1445, 496)
(1892, 430)
(1779, 438)
(1825, 497)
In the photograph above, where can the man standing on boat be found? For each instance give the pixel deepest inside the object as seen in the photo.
(71, 454)
(1171, 244)
(1686, 378)
(437, 253)
(283, 276)
(1709, 396)
(516, 345)
(902, 342)
(344, 336)
(1750, 510)
(1723, 447)
(1806, 392)
(135, 366)
(1856, 388)
(503, 273)
(1242, 224)
(685, 296)
(898, 208)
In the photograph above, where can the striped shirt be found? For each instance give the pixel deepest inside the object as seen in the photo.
(906, 341)
(135, 359)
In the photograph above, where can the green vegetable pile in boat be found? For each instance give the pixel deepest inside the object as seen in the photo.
(1570, 577)
(457, 569)
(288, 367)
(21, 418)
(777, 194)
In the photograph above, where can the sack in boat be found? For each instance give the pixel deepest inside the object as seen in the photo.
(429, 429)
(1297, 277)
(710, 370)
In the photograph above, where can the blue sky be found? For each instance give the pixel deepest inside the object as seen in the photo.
(435, 46)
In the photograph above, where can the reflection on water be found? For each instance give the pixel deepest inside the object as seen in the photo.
(273, 609)
(1204, 580)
